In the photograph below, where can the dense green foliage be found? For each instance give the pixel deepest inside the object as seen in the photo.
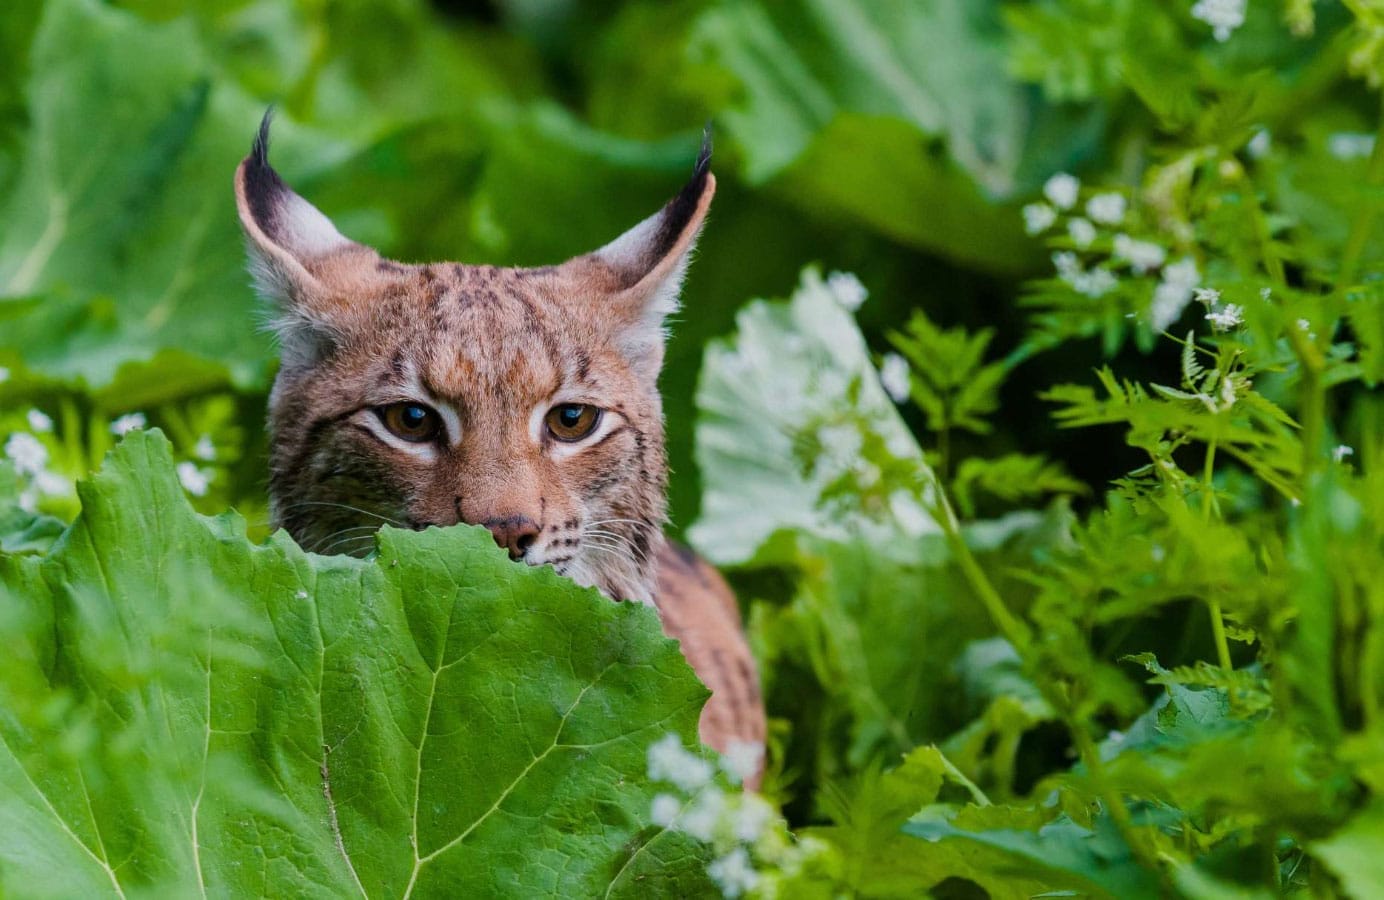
(1060, 532)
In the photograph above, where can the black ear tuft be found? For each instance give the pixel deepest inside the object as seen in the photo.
(679, 211)
(259, 152)
(262, 184)
(704, 157)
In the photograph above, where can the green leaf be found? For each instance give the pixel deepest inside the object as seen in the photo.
(1012, 478)
(835, 105)
(128, 157)
(882, 861)
(21, 531)
(1352, 853)
(186, 711)
(1061, 852)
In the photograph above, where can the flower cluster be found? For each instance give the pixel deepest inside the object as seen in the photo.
(1223, 317)
(847, 289)
(1224, 16)
(753, 852)
(1097, 274)
(30, 457)
(894, 376)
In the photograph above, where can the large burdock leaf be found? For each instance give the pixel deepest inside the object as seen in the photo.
(185, 712)
(888, 114)
(796, 434)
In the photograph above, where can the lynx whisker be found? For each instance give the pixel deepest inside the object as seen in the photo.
(342, 543)
(612, 550)
(616, 538)
(639, 522)
(343, 532)
(349, 508)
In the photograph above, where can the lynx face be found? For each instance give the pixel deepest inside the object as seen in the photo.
(524, 400)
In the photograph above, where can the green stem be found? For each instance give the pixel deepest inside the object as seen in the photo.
(1312, 404)
(1218, 632)
(1019, 635)
(1213, 604)
(1208, 499)
(977, 795)
(1110, 796)
(944, 454)
(1014, 631)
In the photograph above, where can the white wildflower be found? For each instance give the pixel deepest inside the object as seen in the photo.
(847, 289)
(1183, 273)
(1259, 145)
(28, 501)
(1265, 294)
(194, 480)
(1169, 300)
(1038, 217)
(754, 815)
(1341, 452)
(1141, 255)
(741, 760)
(1107, 209)
(39, 421)
(1224, 16)
(205, 449)
(1068, 265)
(50, 483)
(1096, 283)
(894, 375)
(1081, 231)
(1345, 145)
(703, 819)
(1227, 393)
(669, 761)
(1062, 190)
(27, 452)
(1227, 317)
(1207, 297)
(1173, 293)
(664, 810)
(733, 873)
(127, 423)
(4, 374)
(1304, 325)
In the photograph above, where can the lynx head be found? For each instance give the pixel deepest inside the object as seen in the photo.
(524, 400)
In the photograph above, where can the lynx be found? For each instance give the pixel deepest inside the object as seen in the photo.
(524, 400)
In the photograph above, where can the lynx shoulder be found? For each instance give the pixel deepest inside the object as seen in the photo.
(524, 400)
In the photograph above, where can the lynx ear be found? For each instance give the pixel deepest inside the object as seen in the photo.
(648, 263)
(289, 242)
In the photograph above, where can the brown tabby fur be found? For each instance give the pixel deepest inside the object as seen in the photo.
(496, 348)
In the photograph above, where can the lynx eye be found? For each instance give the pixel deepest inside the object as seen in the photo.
(412, 422)
(573, 421)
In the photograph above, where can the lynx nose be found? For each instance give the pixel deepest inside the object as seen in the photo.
(515, 533)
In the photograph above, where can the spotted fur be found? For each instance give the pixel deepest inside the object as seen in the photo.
(492, 349)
